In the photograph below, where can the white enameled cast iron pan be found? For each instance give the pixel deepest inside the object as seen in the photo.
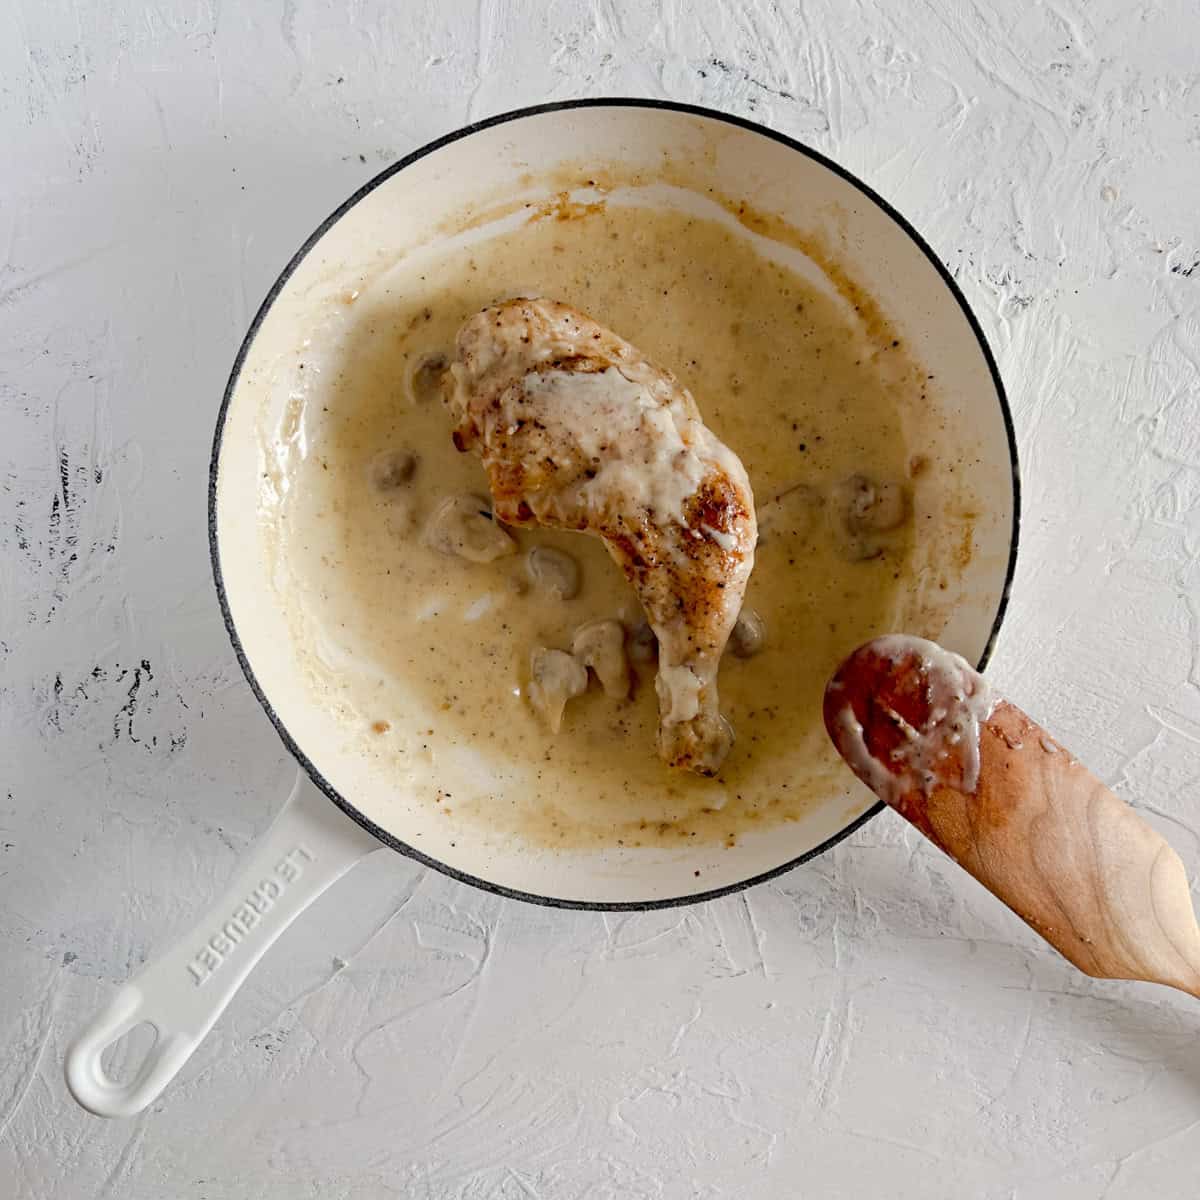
(343, 805)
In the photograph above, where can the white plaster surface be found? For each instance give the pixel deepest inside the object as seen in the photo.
(869, 1025)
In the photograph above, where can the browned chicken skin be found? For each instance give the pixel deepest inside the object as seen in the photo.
(577, 430)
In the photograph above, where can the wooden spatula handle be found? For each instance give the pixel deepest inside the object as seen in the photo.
(1035, 827)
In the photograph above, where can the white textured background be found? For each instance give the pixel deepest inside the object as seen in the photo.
(869, 1025)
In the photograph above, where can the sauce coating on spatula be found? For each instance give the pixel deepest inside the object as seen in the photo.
(906, 715)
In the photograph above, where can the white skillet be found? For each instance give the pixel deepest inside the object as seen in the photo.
(313, 841)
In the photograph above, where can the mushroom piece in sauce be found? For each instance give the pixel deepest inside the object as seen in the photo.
(554, 678)
(867, 506)
(463, 526)
(867, 510)
(427, 378)
(390, 474)
(553, 571)
(749, 634)
(601, 646)
(390, 470)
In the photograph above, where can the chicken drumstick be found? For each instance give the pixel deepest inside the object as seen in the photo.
(577, 430)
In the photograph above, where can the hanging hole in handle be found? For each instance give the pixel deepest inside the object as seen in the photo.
(124, 1059)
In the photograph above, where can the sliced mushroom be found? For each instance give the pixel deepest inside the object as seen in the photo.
(792, 512)
(463, 525)
(749, 634)
(601, 646)
(553, 571)
(643, 645)
(554, 678)
(867, 506)
(392, 469)
(427, 378)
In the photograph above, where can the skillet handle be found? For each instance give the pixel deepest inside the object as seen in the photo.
(310, 844)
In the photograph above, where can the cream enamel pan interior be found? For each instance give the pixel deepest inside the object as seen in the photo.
(524, 155)
(401, 210)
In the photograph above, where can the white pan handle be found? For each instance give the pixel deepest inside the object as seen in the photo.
(310, 844)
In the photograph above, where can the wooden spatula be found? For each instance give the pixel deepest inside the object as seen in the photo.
(998, 794)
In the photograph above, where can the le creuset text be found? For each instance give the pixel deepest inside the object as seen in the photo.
(247, 914)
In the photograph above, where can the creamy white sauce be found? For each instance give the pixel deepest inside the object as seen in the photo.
(379, 619)
(864, 764)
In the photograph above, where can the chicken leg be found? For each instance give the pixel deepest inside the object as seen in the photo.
(577, 430)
